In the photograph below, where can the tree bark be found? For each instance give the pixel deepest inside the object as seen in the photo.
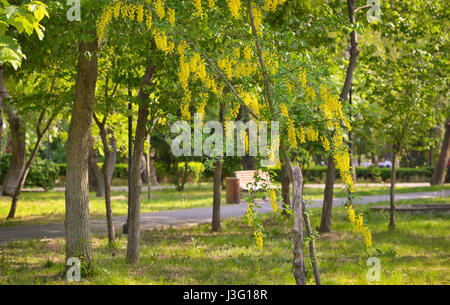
(23, 177)
(147, 163)
(438, 176)
(217, 182)
(327, 207)
(3, 95)
(392, 223)
(299, 264)
(135, 173)
(77, 223)
(153, 176)
(285, 187)
(96, 182)
(312, 247)
(108, 169)
(17, 163)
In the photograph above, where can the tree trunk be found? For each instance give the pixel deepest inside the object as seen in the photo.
(149, 178)
(108, 169)
(438, 176)
(3, 95)
(327, 207)
(23, 177)
(96, 182)
(217, 182)
(285, 188)
(395, 150)
(77, 223)
(135, 172)
(312, 248)
(299, 264)
(354, 52)
(216, 196)
(153, 176)
(17, 163)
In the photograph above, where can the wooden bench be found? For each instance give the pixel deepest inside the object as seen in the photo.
(246, 177)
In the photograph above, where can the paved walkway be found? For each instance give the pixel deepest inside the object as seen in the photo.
(307, 185)
(181, 217)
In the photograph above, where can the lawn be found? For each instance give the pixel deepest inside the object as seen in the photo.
(418, 252)
(49, 207)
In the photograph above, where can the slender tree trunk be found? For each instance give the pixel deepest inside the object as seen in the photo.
(285, 187)
(331, 175)
(299, 264)
(327, 207)
(108, 169)
(107, 184)
(23, 177)
(149, 178)
(217, 182)
(438, 176)
(77, 223)
(216, 196)
(3, 95)
(96, 181)
(17, 163)
(312, 248)
(135, 173)
(395, 150)
(153, 176)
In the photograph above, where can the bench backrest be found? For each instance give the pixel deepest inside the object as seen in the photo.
(246, 177)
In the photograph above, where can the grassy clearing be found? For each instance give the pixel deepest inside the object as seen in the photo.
(49, 207)
(418, 252)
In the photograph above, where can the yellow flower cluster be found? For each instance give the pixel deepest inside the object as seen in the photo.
(257, 17)
(325, 143)
(225, 65)
(162, 43)
(272, 62)
(302, 78)
(162, 121)
(171, 16)
(212, 3)
(358, 222)
(201, 106)
(312, 134)
(273, 199)
(185, 113)
(250, 215)
(271, 5)
(126, 10)
(251, 101)
(198, 6)
(248, 53)
(259, 239)
(292, 134)
(235, 7)
(160, 12)
(301, 134)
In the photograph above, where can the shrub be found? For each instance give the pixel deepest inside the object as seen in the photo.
(42, 172)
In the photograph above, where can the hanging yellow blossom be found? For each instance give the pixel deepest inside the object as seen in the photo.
(198, 6)
(160, 9)
(235, 7)
(171, 16)
(273, 199)
(259, 239)
(358, 222)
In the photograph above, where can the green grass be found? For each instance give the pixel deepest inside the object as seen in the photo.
(49, 207)
(418, 252)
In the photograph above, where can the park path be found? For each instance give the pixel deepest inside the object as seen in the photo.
(307, 185)
(181, 217)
